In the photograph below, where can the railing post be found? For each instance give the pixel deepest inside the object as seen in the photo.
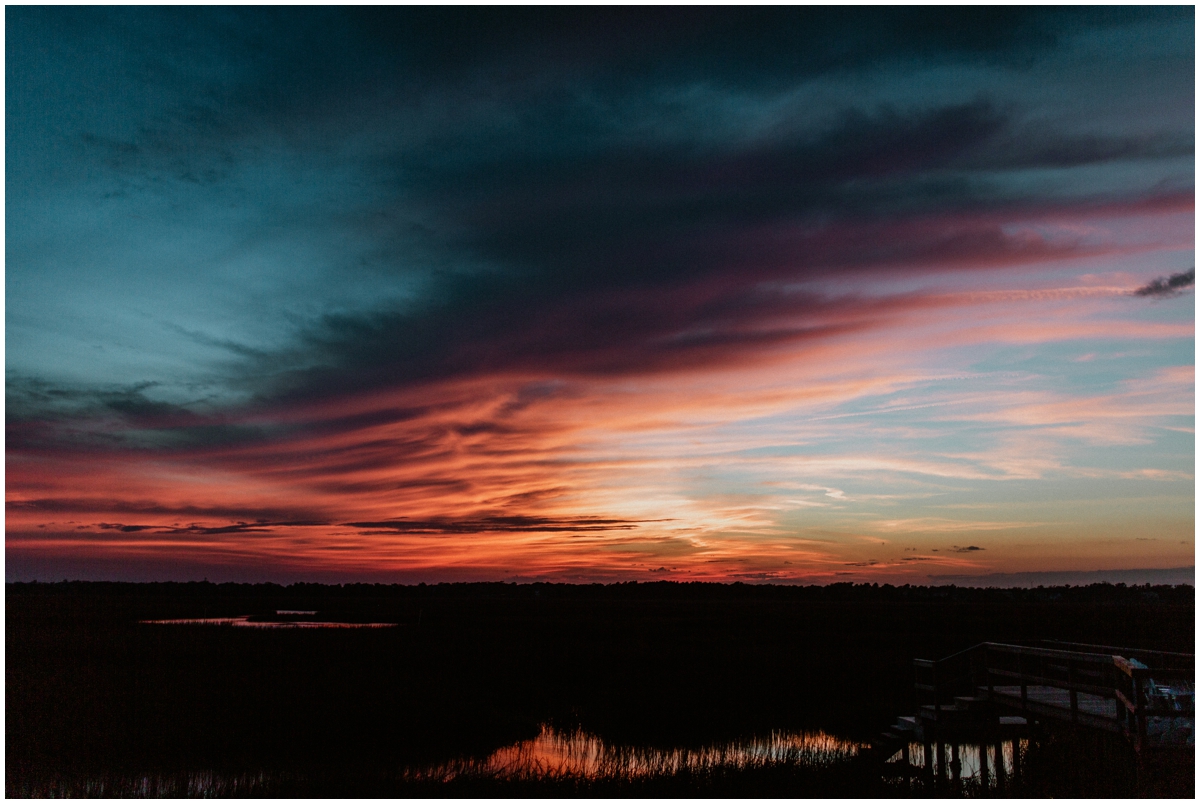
(1130, 686)
(987, 668)
(1140, 710)
(1074, 693)
(1024, 682)
(937, 693)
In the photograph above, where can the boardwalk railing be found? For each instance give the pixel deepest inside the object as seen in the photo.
(1147, 695)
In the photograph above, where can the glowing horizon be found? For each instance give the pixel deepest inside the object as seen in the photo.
(515, 309)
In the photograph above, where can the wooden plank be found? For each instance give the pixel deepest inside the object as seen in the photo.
(1092, 689)
(1166, 658)
(1048, 712)
(1083, 691)
(1046, 653)
(1056, 698)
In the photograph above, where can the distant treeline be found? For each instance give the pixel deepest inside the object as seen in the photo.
(631, 590)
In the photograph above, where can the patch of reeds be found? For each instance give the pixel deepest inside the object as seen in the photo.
(200, 784)
(552, 764)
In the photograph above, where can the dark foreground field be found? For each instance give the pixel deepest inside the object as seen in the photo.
(91, 694)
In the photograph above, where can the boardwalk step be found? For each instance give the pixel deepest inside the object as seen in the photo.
(959, 713)
(905, 723)
(948, 712)
(972, 701)
(978, 707)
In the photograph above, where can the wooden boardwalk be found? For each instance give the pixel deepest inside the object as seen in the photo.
(997, 692)
(1055, 703)
(1147, 696)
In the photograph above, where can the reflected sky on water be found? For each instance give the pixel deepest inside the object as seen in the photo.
(246, 622)
(966, 762)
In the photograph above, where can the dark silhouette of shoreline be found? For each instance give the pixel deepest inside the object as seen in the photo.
(471, 667)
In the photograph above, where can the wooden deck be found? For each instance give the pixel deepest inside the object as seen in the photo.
(985, 700)
(1044, 701)
(997, 691)
(1147, 696)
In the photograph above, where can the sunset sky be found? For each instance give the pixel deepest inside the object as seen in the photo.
(774, 294)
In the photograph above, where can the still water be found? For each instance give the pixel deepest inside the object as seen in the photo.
(246, 622)
(987, 766)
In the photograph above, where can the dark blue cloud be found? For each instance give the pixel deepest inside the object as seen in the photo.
(1167, 286)
(214, 207)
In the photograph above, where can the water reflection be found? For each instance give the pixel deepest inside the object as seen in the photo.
(579, 754)
(988, 766)
(246, 622)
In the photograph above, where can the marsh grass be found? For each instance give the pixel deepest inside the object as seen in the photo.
(202, 784)
(553, 763)
(555, 754)
(577, 764)
(98, 704)
(768, 778)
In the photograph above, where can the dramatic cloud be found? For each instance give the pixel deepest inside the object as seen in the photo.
(1171, 285)
(508, 524)
(758, 293)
